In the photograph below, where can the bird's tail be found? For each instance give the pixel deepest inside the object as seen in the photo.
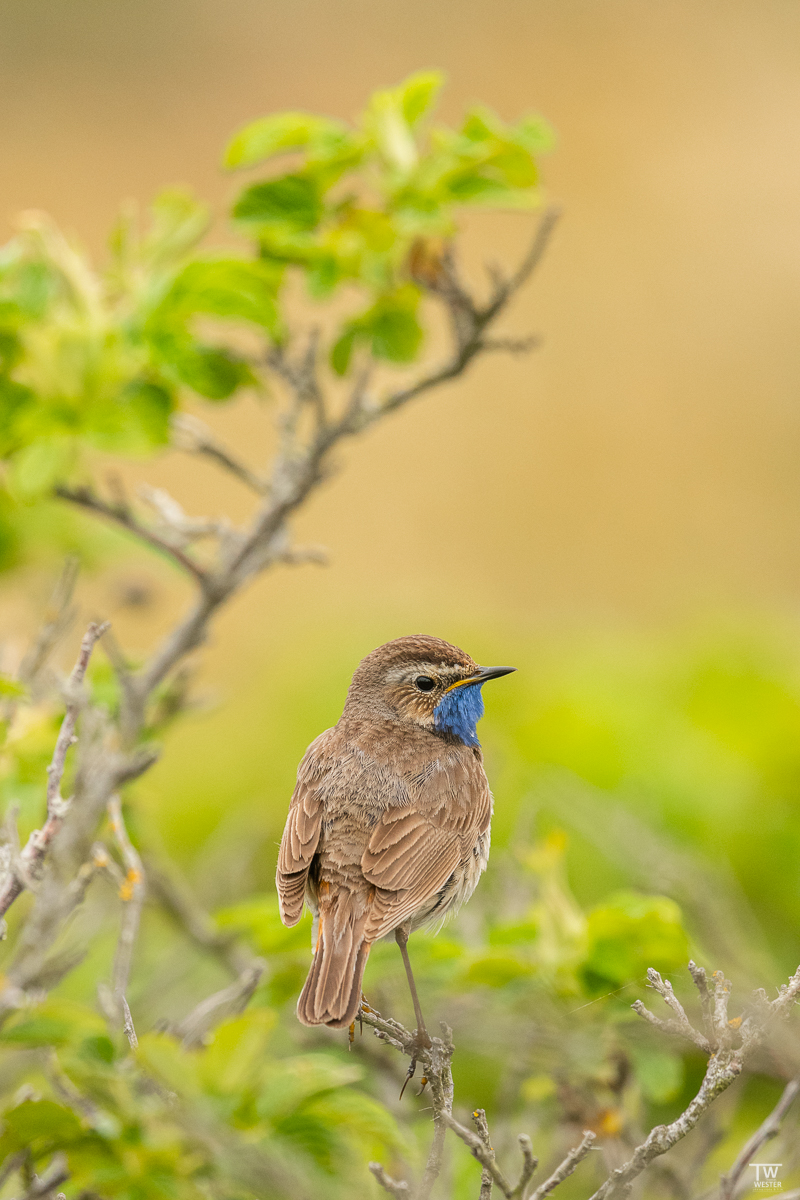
(332, 992)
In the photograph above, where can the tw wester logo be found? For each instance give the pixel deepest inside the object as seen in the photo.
(767, 1175)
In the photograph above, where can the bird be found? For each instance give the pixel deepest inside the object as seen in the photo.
(389, 824)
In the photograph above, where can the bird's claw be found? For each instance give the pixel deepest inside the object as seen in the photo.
(412, 1066)
(417, 1046)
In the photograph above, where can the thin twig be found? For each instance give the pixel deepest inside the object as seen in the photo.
(120, 514)
(192, 436)
(229, 1002)
(768, 1129)
(725, 1065)
(482, 1126)
(565, 1168)
(33, 854)
(392, 1186)
(680, 1026)
(42, 1186)
(131, 893)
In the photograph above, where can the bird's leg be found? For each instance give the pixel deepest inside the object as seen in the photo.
(422, 1039)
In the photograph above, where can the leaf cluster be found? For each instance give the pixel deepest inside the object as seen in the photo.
(99, 360)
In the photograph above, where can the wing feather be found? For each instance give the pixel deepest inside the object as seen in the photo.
(302, 832)
(414, 850)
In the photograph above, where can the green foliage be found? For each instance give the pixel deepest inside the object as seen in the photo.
(169, 1122)
(97, 361)
(629, 930)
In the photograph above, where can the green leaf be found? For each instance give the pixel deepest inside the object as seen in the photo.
(292, 201)
(178, 222)
(135, 421)
(535, 134)
(281, 132)
(10, 687)
(260, 919)
(227, 287)
(38, 1124)
(39, 1031)
(418, 93)
(40, 465)
(632, 932)
(292, 1081)
(390, 328)
(342, 351)
(659, 1073)
(496, 969)
(211, 372)
(396, 332)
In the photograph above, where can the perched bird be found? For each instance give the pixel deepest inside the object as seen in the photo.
(388, 827)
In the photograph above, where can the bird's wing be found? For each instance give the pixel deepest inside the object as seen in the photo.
(414, 849)
(301, 834)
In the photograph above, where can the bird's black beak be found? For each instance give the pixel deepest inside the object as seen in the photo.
(484, 673)
(490, 673)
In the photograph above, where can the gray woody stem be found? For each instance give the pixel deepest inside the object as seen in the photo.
(120, 514)
(229, 1002)
(436, 1068)
(26, 869)
(725, 1064)
(131, 893)
(769, 1129)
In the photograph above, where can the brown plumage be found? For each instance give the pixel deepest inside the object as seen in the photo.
(388, 827)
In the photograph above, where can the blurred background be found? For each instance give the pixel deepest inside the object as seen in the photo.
(617, 514)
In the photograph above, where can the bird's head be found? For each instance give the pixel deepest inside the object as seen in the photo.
(423, 681)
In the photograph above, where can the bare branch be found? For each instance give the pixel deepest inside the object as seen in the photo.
(192, 436)
(725, 1064)
(698, 974)
(680, 1026)
(484, 1154)
(120, 514)
(229, 1002)
(768, 1129)
(722, 990)
(510, 345)
(565, 1168)
(399, 1190)
(180, 529)
(131, 893)
(32, 856)
(674, 1028)
(42, 1186)
(505, 289)
(482, 1126)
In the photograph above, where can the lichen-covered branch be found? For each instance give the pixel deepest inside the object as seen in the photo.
(732, 1044)
(435, 1062)
(25, 870)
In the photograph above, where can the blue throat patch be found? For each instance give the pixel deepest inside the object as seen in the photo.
(459, 711)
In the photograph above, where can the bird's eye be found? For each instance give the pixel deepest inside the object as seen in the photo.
(424, 683)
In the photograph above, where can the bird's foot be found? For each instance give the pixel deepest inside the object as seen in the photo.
(351, 1035)
(419, 1043)
(412, 1066)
